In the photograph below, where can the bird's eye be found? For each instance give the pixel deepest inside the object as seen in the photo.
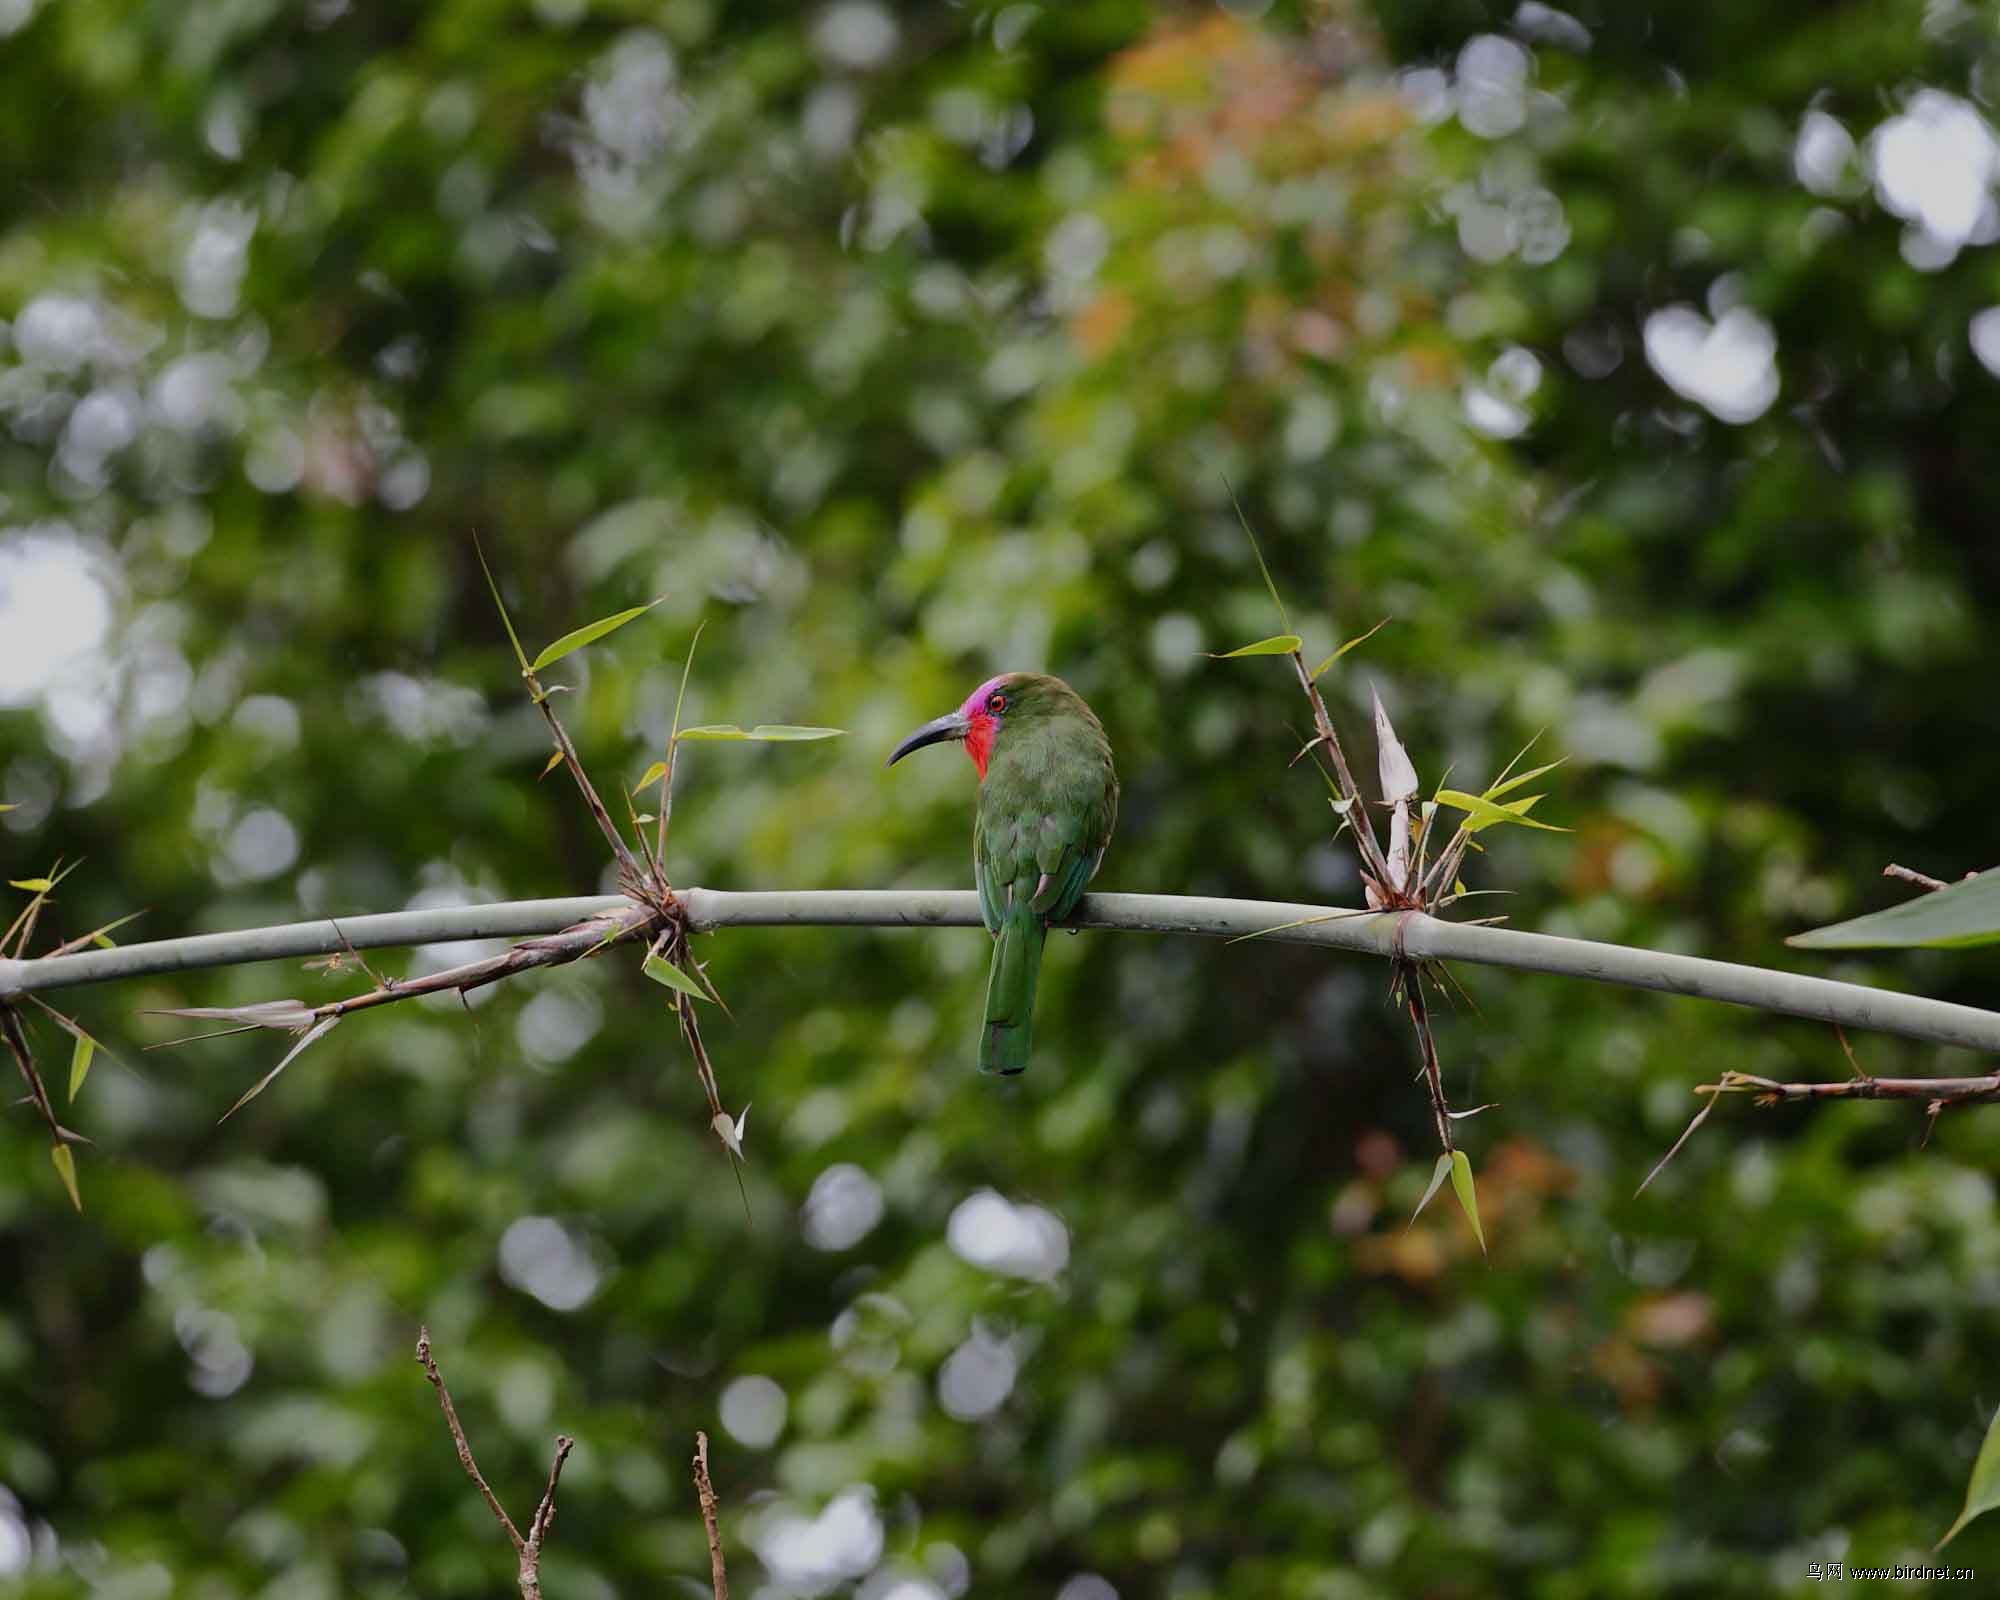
(996, 702)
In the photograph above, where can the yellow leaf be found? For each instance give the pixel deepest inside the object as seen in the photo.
(79, 1063)
(1282, 644)
(1468, 1196)
(65, 1164)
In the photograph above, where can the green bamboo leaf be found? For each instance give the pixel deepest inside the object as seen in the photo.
(65, 1165)
(661, 970)
(500, 605)
(789, 733)
(1468, 1196)
(1509, 785)
(653, 775)
(1359, 638)
(32, 885)
(79, 1062)
(99, 936)
(713, 732)
(1282, 644)
(1982, 1490)
(1967, 913)
(1438, 1174)
(589, 633)
(1483, 813)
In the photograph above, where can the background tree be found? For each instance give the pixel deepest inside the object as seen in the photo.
(1636, 362)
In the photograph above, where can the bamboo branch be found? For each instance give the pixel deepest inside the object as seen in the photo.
(1423, 938)
(705, 1492)
(527, 1551)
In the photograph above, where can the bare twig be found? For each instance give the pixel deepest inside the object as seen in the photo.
(545, 1513)
(1922, 880)
(1949, 1091)
(1372, 860)
(430, 1366)
(705, 1493)
(527, 1551)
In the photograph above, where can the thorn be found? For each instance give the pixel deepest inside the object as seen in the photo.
(1687, 1133)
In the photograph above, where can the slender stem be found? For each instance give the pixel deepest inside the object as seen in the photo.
(430, 1366)
(1927, 1089)
(1357, 814)
(705, 1492)
(1425, 938)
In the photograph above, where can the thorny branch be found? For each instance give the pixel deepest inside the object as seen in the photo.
(650, 910)
(528, 1550)
(1935, 1093)
(705, 1493)
(1395, 881)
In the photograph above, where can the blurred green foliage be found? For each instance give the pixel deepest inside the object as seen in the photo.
(1631, 360)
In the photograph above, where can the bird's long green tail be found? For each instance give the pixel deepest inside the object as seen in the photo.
(1010, 993)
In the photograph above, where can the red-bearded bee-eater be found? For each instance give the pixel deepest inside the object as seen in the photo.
(1047, 802)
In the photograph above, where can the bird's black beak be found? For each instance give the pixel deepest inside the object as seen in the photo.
(950, 726)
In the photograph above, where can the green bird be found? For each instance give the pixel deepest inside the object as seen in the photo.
(1047, 802)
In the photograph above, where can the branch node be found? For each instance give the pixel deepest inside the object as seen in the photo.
(705, 1492)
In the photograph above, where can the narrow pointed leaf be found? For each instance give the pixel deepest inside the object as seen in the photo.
(1438, 1174)
(99, 936)
(289, 1014)
(788, 733)
(500, 605)
(1282, 644)
(319, 1031)
(79, 1062)
(65, 1165)
(589, 633)
(1509, 785)
(1359, 638)
(661, 970)
(1982, 1490)
(713, 732)
(13, 805)
(1468, 1196)
(1269, 585)
(1967, 913)
(554, 761)
(1483, 813)
(652, 775)
(32, 885)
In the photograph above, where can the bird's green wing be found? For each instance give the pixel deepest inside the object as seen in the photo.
(1066, 857)
(999, 863)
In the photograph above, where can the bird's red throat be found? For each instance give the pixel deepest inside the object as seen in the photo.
(979, 740)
